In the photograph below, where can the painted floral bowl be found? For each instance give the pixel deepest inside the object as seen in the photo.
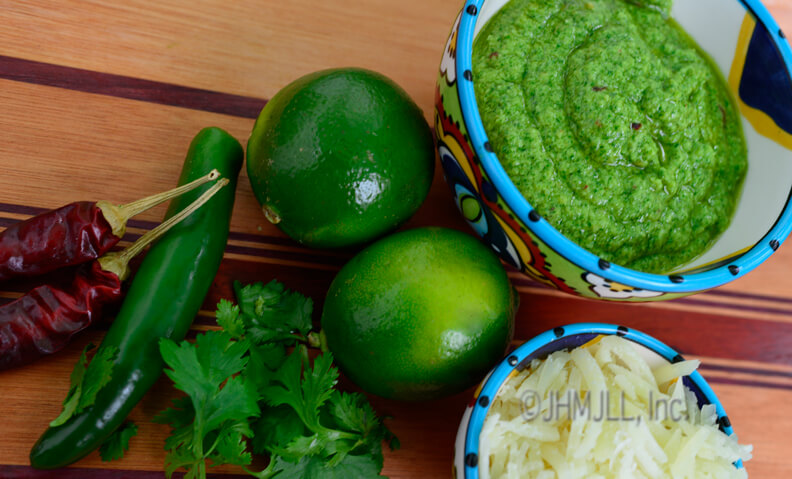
(467, 446)
(750, 50)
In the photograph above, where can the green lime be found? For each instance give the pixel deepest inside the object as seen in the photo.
(340, 157)
(420, 314)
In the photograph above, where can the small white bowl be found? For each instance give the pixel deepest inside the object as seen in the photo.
(466, 449)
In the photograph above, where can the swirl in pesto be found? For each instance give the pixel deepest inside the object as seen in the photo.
(613, 124)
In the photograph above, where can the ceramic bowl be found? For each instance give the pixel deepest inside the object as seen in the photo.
(655, 352)
(747, 46)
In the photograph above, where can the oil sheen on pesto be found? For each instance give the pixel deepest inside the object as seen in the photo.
(613, 125)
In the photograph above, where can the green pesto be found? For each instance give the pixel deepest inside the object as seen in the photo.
(613, 124)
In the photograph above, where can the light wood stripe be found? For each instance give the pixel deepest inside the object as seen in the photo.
(62, 145)
(247, 49)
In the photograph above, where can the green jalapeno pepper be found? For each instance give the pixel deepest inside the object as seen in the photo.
(163, 299)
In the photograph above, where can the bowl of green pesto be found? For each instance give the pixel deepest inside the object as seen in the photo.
(629, 150)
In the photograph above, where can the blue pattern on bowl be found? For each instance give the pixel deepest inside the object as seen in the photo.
(525, 240)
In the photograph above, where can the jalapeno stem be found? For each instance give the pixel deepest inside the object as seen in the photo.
(118, 263)
(118, 215)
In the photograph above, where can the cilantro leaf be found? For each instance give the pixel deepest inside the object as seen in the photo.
(180, 417)
(263, 362)
(75, 389)
(305, 396)
(312, 467)
(276, 429)
(97, 375)
(87, 378)
(229, 318)
(235, 402)
(232, 445)
(245, 394)
(352, 412)
(222, 402)
(329, 444)
(183, 457)
(273, 313)
(199, 369)
(113, 449)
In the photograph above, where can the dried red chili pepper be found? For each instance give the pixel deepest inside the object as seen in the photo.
(73, 234)
(42, 321)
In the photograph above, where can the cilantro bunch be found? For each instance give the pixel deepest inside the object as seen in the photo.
(252, 388)
(85, 385)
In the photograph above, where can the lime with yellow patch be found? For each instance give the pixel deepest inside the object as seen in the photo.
(420, 314)
(340, 157)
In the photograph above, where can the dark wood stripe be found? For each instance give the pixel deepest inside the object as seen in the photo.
(695, 333)
(27, 472)
(147, 225)
(747, 383)
(689, 332)
(304, 256)
(88, 81)
(761, 297)
(287, 255)
(21, 209)
(695, 299)
(744, 370)
(307, 256)
(6, 222)
(318, 256)
(337, 260)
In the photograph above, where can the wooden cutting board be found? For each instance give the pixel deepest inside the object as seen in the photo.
(100, 100)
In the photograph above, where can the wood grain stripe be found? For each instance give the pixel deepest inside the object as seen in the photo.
(742, 307)
(726, 338)
(544, 309)
(521, 280)
(745, 370)
(710, 334)
(750, 296)
(747, 383)
(334, 258)
(27, 472)
(88, 81)
(143, 225)
(21, 209)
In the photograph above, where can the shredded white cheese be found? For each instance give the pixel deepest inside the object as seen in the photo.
(599, 412)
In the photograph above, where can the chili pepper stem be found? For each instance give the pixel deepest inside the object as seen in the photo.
(118, 215)
(118, 263)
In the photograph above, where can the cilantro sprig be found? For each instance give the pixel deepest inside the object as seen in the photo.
(93, 371)
(115, 446)
(253, 388)
(86, 381)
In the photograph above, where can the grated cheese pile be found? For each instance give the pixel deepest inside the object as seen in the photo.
(599, 411)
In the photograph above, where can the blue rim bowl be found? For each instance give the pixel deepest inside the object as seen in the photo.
(565, 337)
(673, 285)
